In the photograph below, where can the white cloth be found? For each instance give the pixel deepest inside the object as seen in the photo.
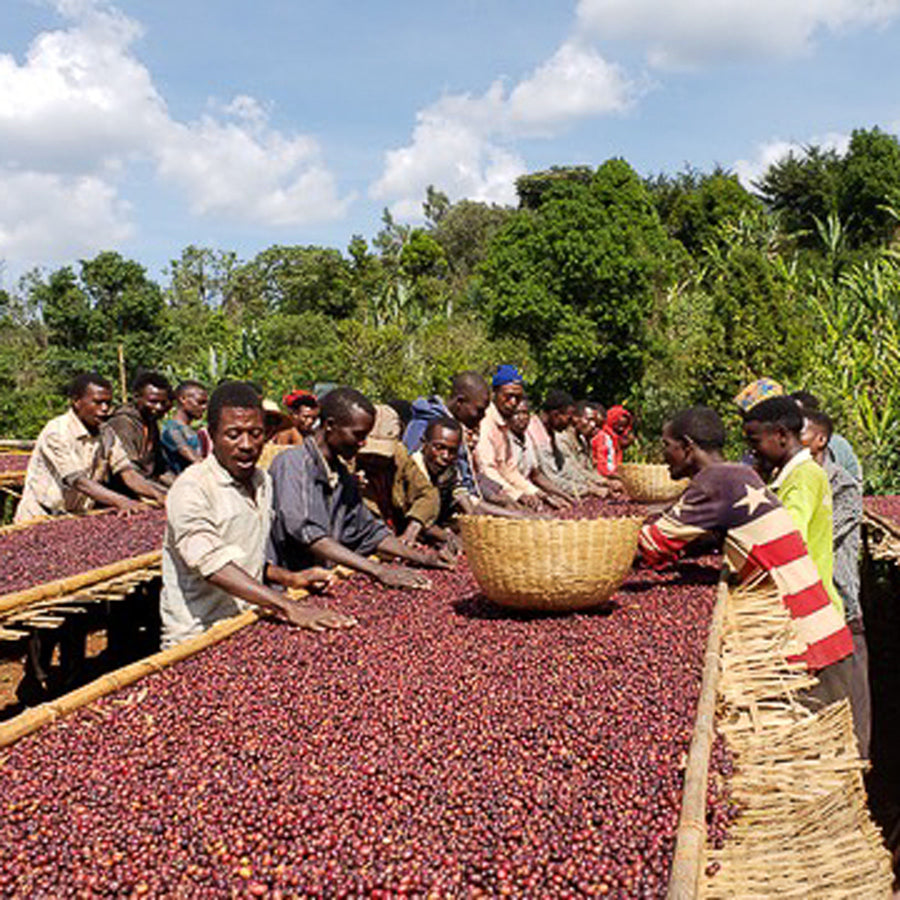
(212, 520)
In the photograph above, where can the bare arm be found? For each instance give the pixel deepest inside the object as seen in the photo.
(329, 550)
(133, 479)
(233, 579)
(104, 495)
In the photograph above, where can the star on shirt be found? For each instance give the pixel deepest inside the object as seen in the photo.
(755, 498)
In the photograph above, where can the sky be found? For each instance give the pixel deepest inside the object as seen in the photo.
(144, 126)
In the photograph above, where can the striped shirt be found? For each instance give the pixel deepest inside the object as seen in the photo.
(759, 537)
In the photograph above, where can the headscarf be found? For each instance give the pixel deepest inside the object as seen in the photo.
(506, 374)
(297, 394)
(756, 392)
(616, 414)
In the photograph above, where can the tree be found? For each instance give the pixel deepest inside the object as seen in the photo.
(577, 277)
(201, 278)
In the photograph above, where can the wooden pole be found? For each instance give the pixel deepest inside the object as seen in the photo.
(123, 386)
(690, 838)
(63, 586)
(33, 719)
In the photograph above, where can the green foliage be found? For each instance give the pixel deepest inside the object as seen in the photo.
(577, 278)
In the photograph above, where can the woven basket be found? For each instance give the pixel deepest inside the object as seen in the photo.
(651, 483)
(549, 565)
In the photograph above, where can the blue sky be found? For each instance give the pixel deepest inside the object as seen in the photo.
(147, 125)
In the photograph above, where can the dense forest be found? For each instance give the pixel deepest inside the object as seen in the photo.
(657, 292)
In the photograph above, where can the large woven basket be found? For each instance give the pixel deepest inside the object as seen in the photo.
(549, 565)
(651, 483)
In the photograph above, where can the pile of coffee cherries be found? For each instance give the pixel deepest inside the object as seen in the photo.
(57, 548)
(13, 462)
(887, 506)
(443, 748)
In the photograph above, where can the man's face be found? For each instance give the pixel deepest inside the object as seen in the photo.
(622, 425)
(587, 423)
(518, 421)
(152, 402)
(440, 451)
(676, 453)
(238, 441)
(768, 443)
(814, 437)
(194, 401)
(470, 408)
(507, 399)
(93, 406)
(561, 419)
(304, 418)
(346, 439)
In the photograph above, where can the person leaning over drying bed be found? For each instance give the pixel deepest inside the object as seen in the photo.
(319, 513)
(181, 444)
(73, 459)
(494, 453)
(761, 543)
(847, 513)
(219, 513)
(136, 424)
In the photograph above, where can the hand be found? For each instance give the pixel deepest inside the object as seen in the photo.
(432, 559)
(556, 502)
(404, 578)
(315, 579)
(598, 490)
(453, 542)
(531, 501)
(314, 618)
(129, 508)
(448, 554)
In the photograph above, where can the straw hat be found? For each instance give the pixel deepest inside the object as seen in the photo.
(382, 439)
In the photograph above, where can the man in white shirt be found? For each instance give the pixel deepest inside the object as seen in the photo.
(73, 459)
(219, 515)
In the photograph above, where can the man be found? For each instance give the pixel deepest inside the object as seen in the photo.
(547, 429)
(303, 408)
(469, 399)
(319, 514)
(181, 444)
(574, 442)
(494, 452)
(847, 503)
(74, 458)
(136, 424)
(527, 456)
(395, 488)
(839, 450)
(219, 513)
(730, 502)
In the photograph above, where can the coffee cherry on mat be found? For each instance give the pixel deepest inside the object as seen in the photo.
(443, 748)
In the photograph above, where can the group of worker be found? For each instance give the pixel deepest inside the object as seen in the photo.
(362, 486)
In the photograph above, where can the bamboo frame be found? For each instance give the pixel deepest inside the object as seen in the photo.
(690, 838)
(33, 719)
(63, 586)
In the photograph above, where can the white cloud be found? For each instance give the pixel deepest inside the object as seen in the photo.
(44, 216)
(691, 32)
(769, 152)
(81, 106)
(462, 143)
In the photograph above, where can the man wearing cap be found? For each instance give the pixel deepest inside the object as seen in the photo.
(394, 487)
(493, 452)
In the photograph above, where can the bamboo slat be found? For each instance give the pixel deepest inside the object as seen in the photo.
(73, 583)
(33, 719)
(691, 835)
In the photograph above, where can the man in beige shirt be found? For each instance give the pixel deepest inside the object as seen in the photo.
(219, 513)
(73, 458)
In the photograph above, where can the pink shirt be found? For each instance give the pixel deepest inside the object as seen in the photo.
(494, 456)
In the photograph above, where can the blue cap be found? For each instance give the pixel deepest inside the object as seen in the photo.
(506, 374)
